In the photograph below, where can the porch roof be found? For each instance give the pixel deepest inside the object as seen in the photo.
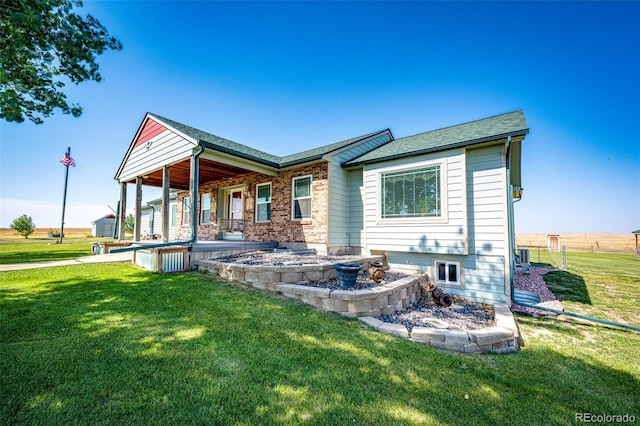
(223, 158)
(234, 148)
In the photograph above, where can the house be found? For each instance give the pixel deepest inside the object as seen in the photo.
(103, 227)
(440, 202)
(151, 219)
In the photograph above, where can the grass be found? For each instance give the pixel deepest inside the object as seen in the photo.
(113, 344)
(596, 263)
(41, 250)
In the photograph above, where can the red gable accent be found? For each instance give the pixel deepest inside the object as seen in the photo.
(151, 128)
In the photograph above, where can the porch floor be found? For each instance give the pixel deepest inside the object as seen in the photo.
(219, 245)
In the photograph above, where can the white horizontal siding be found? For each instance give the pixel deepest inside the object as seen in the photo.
(485, 193)
(339, 192)
(356, 219)
(166, 148)
(483, 276)
(445, 236)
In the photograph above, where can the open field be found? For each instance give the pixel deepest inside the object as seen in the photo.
(8, 233)
(114, 344)
(598, 241)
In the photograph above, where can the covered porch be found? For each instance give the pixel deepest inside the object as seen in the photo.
(168, 155)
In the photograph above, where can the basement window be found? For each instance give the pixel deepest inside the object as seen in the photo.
(447, 272)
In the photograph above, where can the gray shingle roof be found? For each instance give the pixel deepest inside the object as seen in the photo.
(474, 132)
(222, 144)
(238, 149)
(317, 153)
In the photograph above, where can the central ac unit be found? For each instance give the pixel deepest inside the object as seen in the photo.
(525, 258)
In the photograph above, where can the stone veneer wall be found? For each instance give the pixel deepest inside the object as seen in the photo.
(281, 228)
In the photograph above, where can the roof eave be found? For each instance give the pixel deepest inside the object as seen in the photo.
(478, 141)
(244, 156)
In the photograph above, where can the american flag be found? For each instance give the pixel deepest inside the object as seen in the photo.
(68, 161)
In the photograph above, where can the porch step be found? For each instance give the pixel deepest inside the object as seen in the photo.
(299, 252)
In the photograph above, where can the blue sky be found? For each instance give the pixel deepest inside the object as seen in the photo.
(284, 77)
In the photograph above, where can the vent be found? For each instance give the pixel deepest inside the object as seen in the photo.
(173, 261)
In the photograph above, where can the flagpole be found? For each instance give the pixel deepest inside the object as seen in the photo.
(64, 197)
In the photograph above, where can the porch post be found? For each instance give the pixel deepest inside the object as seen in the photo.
(138, 211)
(122, 214)
(195, 165)
(166, 183)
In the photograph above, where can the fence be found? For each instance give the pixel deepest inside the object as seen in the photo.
(610, 263)
(574, 242)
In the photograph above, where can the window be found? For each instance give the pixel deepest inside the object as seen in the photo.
(205, 214)
(411, 193)
(263, 202)
(186, 211)
(447, 272)
(301, 198)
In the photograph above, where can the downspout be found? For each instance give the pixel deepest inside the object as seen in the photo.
(573, 314)
(510, 228)
(194, 194)
(194, 217)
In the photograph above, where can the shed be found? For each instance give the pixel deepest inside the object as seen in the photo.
(553, 242)
(636, 233)
(103, 227)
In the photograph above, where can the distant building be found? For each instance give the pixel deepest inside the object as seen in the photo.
(103, 227)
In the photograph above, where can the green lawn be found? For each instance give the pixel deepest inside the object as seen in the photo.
(41, 250)
(113, 344)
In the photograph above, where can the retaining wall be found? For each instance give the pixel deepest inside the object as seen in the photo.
(502, 338)
(367, 304)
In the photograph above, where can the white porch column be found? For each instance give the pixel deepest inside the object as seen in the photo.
(138, 210)
(122, 214)
(166, 186)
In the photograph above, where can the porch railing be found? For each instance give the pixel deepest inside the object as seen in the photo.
(232, 225)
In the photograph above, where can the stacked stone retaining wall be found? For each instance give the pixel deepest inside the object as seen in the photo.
(368, 304)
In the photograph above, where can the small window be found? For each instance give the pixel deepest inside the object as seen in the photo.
(263, 202)
(174, 213)
(447, 272)
(205, 214)
(186, 211)
(301, 198)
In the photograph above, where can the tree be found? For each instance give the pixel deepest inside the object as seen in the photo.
(129, 224)
(23, 225)
(42, 41)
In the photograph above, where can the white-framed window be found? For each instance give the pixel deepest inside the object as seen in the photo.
(186, 211)
(447, 272)
(301, 198)
(205, 209)
(263, 202)
(174, 213)
(412, 193)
